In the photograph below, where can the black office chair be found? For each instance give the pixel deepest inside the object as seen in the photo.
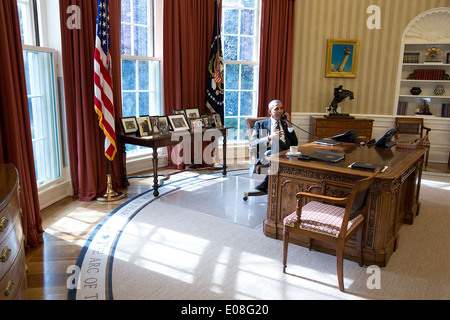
(255, 167)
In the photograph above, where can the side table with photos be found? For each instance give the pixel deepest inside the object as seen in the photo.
(167, 133)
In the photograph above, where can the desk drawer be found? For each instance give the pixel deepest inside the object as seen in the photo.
(10, 247)
(8, 216)
(12, 285)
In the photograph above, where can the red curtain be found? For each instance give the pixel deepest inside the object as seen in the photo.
(15, 133)
(188, 30)
(276, 53)
(88, 164)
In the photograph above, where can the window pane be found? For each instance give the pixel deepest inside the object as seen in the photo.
(232, 103)
(128, 75)
(233, 122)
(230, 47)
(144, 99)
(249, 3)
(126, 10)
(247, 77)
(231, 21)
(246, 103)
(43, 115)
(232, 77)
(143, 75)
(246, 49)
(248, 22)
(140, 41)
(140, 12)
(126, 39)
(129, 104)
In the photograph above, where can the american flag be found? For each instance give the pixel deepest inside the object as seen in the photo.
(103, 100)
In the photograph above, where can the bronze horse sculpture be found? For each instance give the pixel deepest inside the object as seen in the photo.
(339, 96)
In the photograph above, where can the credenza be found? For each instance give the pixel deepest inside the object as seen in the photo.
(328, 127)
(13, 280)
(393, 197)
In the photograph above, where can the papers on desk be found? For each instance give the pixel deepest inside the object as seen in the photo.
(324, 156)
(367, 166)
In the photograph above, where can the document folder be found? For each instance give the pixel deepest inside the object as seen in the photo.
(327, 142)
(327, 156)
(367, 166)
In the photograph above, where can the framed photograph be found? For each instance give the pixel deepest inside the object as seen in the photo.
(192, 113)
(181, 111)
(163, 121)
(206, 121)
(196, 124)
(155, 124)
(145, 126)
(212, 120)
(448, 57)
(342, 58)
(129, 125)
(217, 119)
(178, 122)
(164, 130)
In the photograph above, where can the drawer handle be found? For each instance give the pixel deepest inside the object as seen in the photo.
(3, 224)
(6, 253)
(9, 288)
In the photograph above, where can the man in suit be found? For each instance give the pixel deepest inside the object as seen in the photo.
(274, 135)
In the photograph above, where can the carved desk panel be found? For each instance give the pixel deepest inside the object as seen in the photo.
(393, 198)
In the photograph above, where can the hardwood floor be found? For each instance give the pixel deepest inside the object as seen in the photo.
(68, 224)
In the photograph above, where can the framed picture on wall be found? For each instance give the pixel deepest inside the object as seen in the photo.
(342, 58)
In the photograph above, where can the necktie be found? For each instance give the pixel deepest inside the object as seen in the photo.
(277, 126)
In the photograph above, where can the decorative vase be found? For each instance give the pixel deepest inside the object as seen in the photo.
(415, 91)
(439, 90)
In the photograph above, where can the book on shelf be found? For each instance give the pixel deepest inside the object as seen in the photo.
(445, 110)
(411, 57)
(429, 74)
(402, 107)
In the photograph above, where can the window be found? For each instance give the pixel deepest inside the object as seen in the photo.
(40, 77)
(40, 81)
(240, 38)
(141, 71)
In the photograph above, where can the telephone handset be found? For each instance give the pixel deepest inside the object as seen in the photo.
(283, 117)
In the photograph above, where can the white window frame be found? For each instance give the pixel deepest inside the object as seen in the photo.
(244, 140)
(137, 162)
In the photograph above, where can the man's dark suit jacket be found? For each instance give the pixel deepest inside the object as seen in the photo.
(262, 130)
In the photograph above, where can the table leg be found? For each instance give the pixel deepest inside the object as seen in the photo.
(155, 172)
(224, 173)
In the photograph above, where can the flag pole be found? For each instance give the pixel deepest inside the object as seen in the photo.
(110, 194)
(103, 98)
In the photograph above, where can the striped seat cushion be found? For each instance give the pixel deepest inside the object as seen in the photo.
(322, 218)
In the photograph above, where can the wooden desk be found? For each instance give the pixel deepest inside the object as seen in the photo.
(393, 198)
(158, 141)
(329, 127)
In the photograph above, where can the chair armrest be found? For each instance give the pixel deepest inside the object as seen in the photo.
(320, 197)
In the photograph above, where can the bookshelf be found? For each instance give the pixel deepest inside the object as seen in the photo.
(416, 72)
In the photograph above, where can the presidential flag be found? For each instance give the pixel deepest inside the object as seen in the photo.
(215, 90)
(103, 98)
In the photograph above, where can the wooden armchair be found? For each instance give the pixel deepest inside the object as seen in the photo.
(330, 219)
(410, 127)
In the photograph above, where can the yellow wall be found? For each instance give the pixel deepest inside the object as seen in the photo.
(375, 83)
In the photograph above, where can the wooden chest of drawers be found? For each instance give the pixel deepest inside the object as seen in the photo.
(13, 280)
(328, 127)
